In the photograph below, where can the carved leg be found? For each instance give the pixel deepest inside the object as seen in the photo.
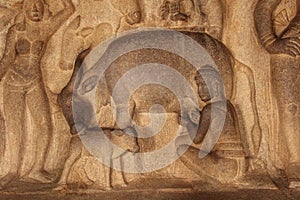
(38, 105)
(210, 168)
(14, 111)
(125, 124)
(108, 172)
(124, 181)
(286, 89)
(75, 151)
(289, 127)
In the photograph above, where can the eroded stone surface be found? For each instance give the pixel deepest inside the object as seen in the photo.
(43, 45)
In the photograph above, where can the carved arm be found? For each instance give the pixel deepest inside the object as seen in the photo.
(9, 52)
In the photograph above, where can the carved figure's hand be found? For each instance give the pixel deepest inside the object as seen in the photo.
(216, 32)
(65, 66)
(289, 46)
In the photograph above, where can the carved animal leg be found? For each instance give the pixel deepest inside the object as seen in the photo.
(108, 172)
(118, 174)
(125, 182)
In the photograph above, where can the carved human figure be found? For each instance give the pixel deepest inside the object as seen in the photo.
(143, 98)
(90, 37)
(130, 9)
(284, 47)
(210, 12)
(229, 150)
(176, 10)
(213, 10)
(24, 85)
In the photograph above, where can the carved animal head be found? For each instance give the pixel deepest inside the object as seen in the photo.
(34, 10)
(130, 9)
(124, 141)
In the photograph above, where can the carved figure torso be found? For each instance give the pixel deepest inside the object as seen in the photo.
(26, 66)
(229, 143)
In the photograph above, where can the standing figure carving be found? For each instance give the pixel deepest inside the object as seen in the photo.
(283, 43)
(24, 85)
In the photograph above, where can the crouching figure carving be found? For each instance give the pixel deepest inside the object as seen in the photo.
(227, 160)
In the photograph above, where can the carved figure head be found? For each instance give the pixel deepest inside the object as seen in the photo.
(211, 86)
(34, 10)
(130, 9)
(133, 17)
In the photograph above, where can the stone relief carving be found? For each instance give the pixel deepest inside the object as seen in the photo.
(77, 149)
(213, 9)
(131, 10)
(89, 37)
(28, 97)
(284, 49)
(207, 14)
(142, 100)
(230, 148)
(176, 10)
(6, 16)
(20, 68)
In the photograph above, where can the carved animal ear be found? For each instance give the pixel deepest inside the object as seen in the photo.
(74, 25)
(85, 32)
(89, 84)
